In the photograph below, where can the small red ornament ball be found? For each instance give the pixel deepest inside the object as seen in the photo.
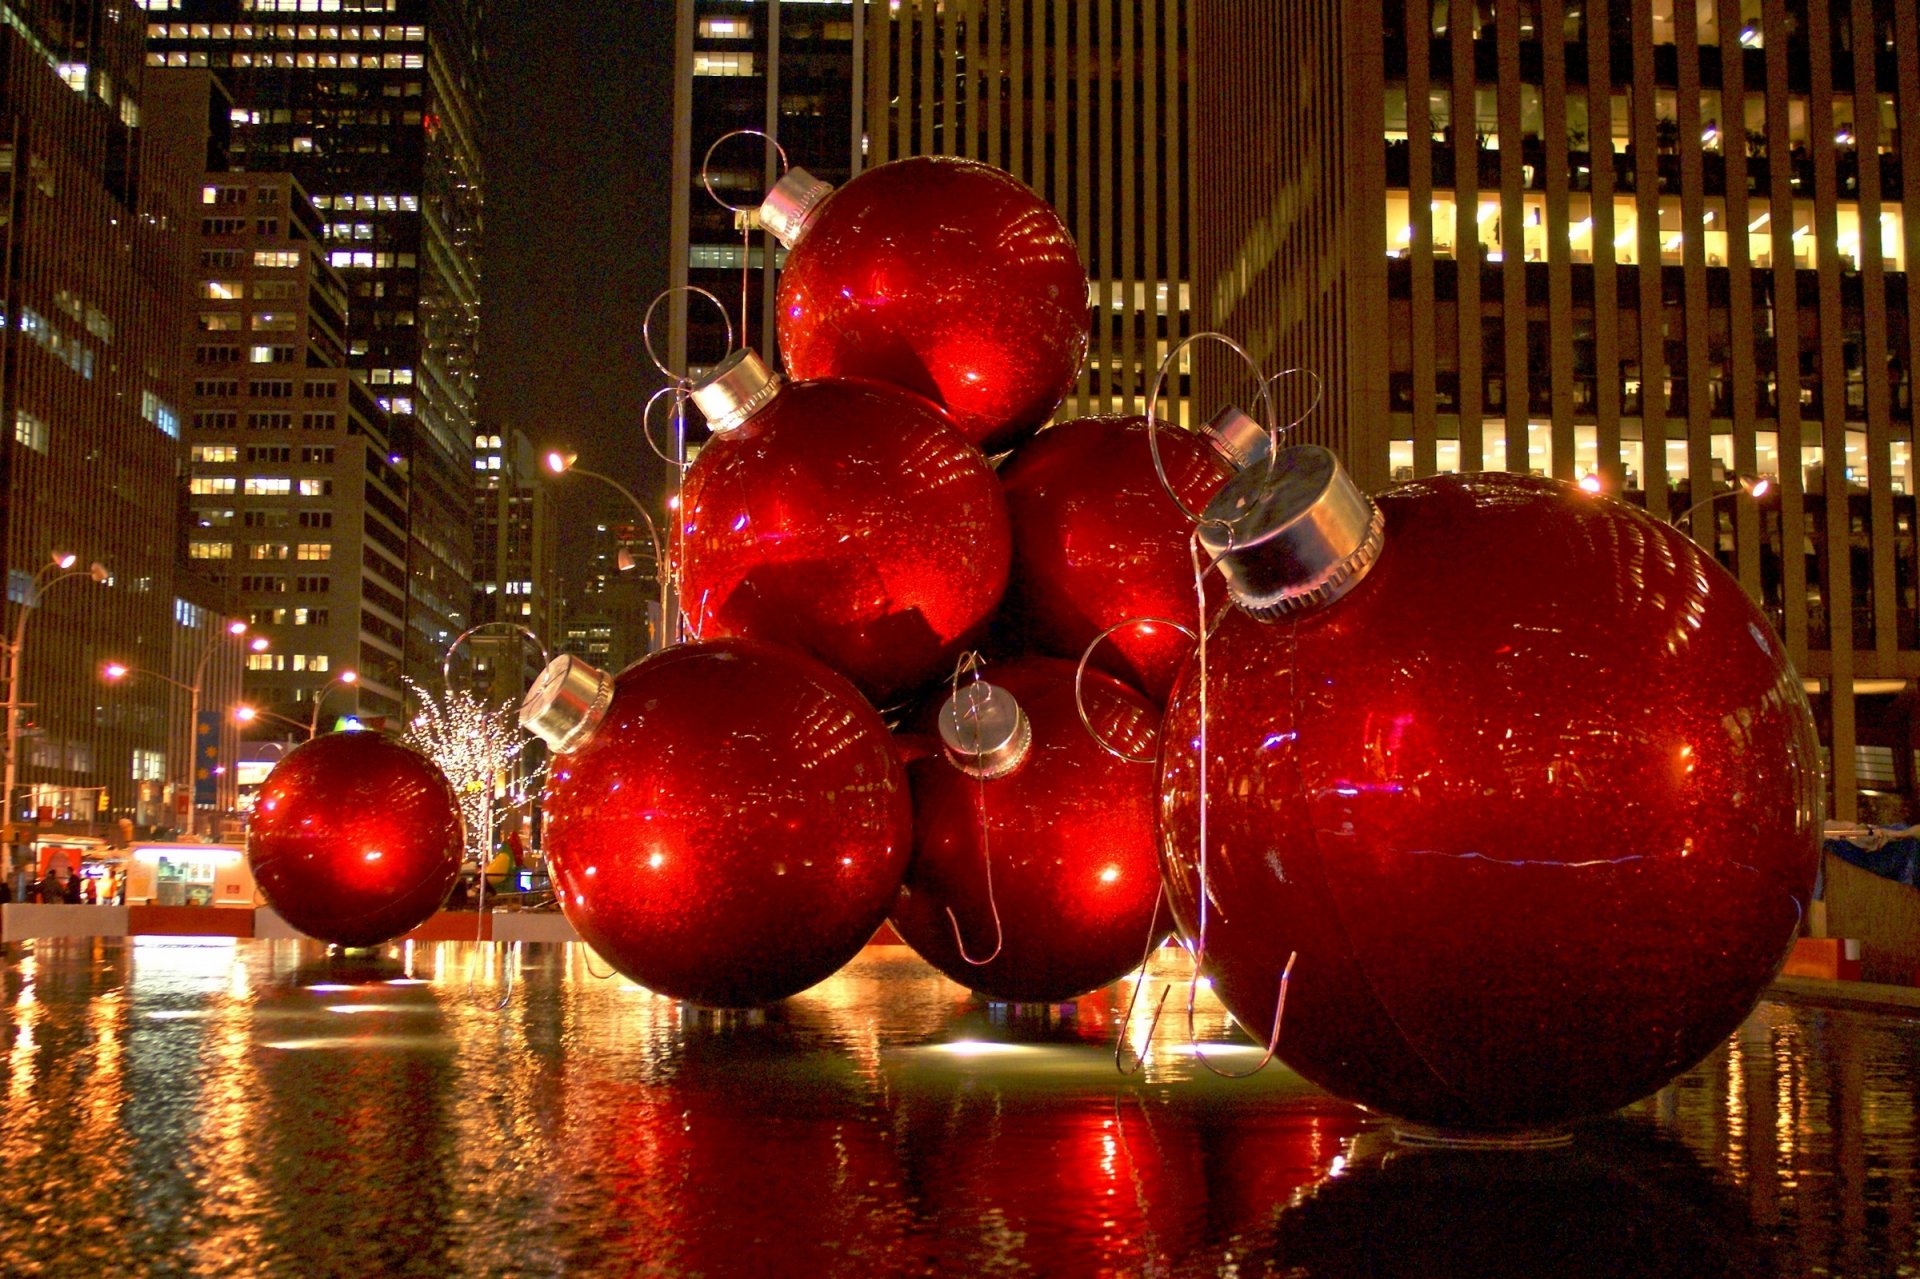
(945, 276)
(1097, 542)
(1074, 879)
(849, 521)
(735, 828)
(1537, 803)
(355, 838)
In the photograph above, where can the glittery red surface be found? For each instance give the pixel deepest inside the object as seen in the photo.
(735, 830)
(1097, 542)
(847, 520)
(1069, 835)
(355, 838)
(945, 276)
(1537, 804)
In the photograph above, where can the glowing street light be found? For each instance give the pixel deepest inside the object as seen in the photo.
(1754, 486)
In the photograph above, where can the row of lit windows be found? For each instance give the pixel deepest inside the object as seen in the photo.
(263, 290)
(1495, 239)
(287, 6)
(299, 61)
(722, 64)
(282, 31)
(386, 203)
(230, 321)
(486, 442)
(264, 517)
(260, 486)
(287, 661)
(289, 617)
(1585, 458)
(376, 261)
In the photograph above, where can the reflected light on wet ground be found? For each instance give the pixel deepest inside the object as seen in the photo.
(261, 1108)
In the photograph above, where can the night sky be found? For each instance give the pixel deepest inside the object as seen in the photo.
(578, 152)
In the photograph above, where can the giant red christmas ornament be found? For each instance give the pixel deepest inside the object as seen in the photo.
(726, 822)
(1031, 843)
(945, 276)
(355, 838)
(1098, 542)
(844, 519)
(1522, 776)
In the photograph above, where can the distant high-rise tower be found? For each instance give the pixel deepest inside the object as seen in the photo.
(1088, 104)
(374, 106)
(1649, 244)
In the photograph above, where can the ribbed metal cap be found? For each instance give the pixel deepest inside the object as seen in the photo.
(1237, 437)
(740, 385)
(1293, 536)
(567, 703)
(985, 731)
(790, 205)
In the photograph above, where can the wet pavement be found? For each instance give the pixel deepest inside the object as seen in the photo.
(258, 1108)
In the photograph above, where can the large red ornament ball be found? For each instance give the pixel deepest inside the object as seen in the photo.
(1098, 542)
(355, 838)
(1537, 803)
(1069, 834)
(849, 521)
(734, 829)
(945, 276)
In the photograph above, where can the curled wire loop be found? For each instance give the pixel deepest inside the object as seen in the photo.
(706, 166)
(1153, 404)
(446, 662)
(1319, 392)
(679, 391)
(1273, 1039)
(646, 326)
(1079, 679)
(1140, 979)
(971, 663)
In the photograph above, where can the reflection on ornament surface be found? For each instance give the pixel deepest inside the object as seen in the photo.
(1049, 872)
(734, 829)
(1537, 804)
(849, 521)
(355, 838)
(1097, 542)
(945, 276)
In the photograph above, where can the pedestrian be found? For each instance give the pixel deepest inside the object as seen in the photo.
(6, 891)
(90, 892)
(50, 890)
(70, 894)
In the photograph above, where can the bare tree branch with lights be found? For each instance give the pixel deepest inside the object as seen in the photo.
(475, 742)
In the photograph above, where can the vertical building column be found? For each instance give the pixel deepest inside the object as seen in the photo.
(1466, 230)
(1873, 353)
(1644, 145)
(1419, 28)
(1606, 275)
(1740, 283)
(1553, 112)
(1513, 239)
(1705, 525)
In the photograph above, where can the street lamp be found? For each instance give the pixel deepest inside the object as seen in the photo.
(116, 670)
(58, 568)
(562, 462)
(1754, 486)
(248, 714)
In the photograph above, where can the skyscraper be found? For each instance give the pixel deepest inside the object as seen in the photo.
(374, 107)
(1656, 244)
(1089, 104)
(93, 288)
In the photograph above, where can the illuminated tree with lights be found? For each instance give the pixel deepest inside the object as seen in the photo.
(474, 741)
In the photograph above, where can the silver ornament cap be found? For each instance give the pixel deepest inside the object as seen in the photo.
(1237, 437)
(738, 387)
(1293, 535)
(985, 732)
(566, 704)
(791, 204)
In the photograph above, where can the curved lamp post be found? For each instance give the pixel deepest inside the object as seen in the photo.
(562, 462)
(117, 670)
(1744, 485)
(58, 569)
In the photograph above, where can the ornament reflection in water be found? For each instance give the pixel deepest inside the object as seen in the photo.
(726, 822)
(355, 838)
(1033, 876)
(1523, 776)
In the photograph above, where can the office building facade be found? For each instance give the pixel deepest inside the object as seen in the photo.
(1089, 104)
(1651, 244)
(298, 500)
(91, 394)
(374, 107)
